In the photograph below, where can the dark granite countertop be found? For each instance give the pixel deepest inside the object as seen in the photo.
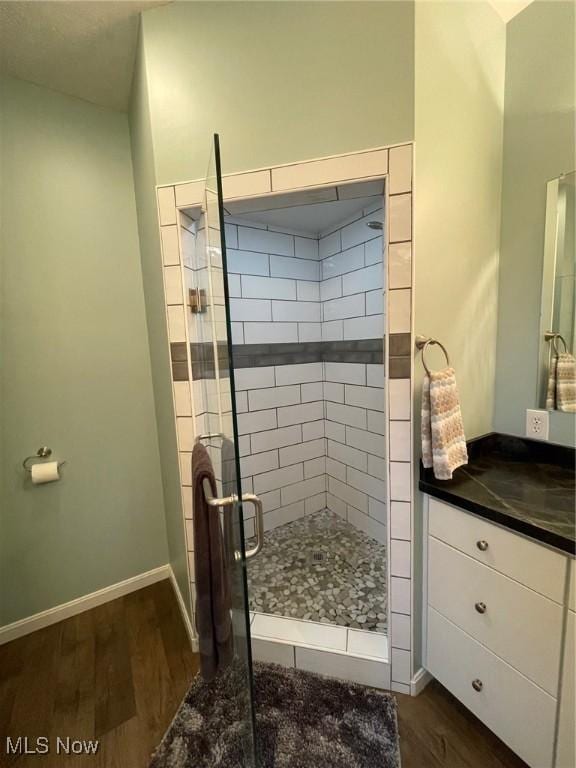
(525, 485)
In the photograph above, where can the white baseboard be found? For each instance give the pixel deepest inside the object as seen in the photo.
(185, 617)
(66, 610)
(420, 681)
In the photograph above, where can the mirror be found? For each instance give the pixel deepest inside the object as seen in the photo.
(558, 311)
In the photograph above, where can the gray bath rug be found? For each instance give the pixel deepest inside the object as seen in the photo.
(303, 721)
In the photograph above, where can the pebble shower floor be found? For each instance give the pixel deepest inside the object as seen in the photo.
(321, 568)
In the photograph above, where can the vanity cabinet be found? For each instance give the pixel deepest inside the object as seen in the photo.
(498, 631)
(566, 750)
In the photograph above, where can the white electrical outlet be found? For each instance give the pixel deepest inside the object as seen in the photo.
(537, 426)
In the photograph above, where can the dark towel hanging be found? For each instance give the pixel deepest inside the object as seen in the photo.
(213, 604)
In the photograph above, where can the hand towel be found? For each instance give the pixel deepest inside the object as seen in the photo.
(561, 394)
(551, 391)
(213, 603)
(443, 441)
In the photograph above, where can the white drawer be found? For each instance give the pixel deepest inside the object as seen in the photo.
(521, 626)
(566, 751)
(519, 712)
(572, 587)
(531, 564)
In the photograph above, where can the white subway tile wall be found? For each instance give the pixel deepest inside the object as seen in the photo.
(329, 288)
(399, 433)
(288, 294)
(178, 242)
(352, 446)
(276, 279)
(285, 447)
(352, 278)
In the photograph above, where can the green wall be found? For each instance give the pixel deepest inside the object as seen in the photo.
(460, 56)
(539, 132)
(459, 100)
(151, 262)
(280, 81)
(75, 369)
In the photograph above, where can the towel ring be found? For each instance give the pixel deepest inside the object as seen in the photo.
(554, 337)
(423, 343)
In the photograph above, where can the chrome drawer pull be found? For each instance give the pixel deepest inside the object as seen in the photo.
(482, 545)
(480, 607)
(477, 685)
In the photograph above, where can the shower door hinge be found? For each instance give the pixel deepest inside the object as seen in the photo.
(197, 300)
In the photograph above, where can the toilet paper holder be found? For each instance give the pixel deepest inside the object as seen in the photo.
(41, 453)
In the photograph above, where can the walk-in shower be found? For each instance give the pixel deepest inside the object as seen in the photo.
(306, 279)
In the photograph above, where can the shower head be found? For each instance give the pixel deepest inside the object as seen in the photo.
(375, 225)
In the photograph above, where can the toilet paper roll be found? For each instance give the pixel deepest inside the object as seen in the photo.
(45, 472)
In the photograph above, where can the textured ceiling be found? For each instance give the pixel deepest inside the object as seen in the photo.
(86, 48)
(83, 49)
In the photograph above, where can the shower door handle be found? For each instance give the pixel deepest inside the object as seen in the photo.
(230, 501)
(259, 509)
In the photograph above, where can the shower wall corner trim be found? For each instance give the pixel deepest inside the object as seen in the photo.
(395, 165)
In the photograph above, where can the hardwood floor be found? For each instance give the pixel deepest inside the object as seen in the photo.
(436, 731)
(117, 673)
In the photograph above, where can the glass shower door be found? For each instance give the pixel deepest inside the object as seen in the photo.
(219, 433)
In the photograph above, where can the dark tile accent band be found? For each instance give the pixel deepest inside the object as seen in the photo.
(179, 361)
(179, 371)
(364, 351)
(369, 351)
(178, 351)
(400, 344)
(202, 360)
(399, 368)
(260, 355)
(400, 356)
